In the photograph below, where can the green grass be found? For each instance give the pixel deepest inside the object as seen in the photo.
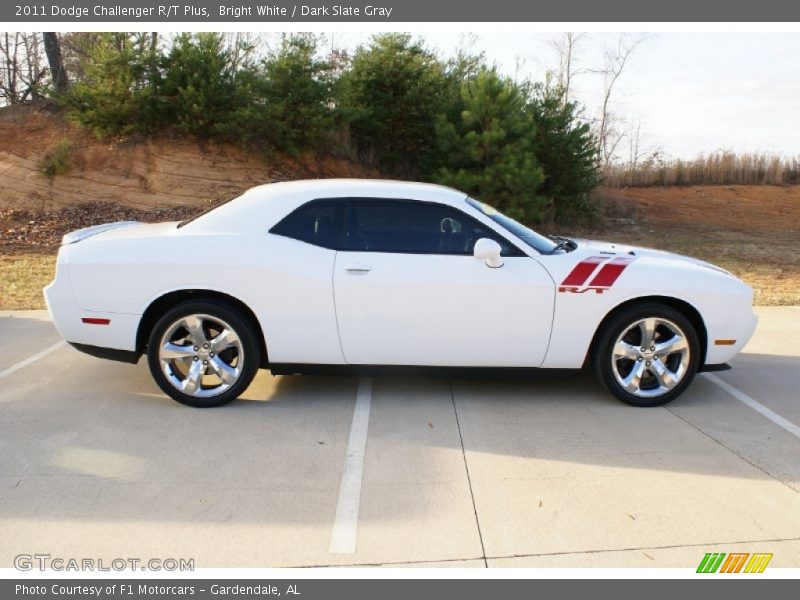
(57, 161)
(22, 278)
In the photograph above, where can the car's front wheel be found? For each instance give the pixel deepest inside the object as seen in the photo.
(203, 353)
(647, 355)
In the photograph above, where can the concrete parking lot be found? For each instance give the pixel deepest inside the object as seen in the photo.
(537, 472)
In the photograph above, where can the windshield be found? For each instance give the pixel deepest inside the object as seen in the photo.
(535, 240)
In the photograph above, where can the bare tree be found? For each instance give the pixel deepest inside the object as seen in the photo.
(467, 42)
(636, 152)
(519, 65)
(77, 49)
(336, 42)
(338, 56)
(21, 73)
(10, 51)
(615, 60)
(33, 63)
(52, 48)
(566, 48)
(634, 145)
(153, 57)
(243, 46)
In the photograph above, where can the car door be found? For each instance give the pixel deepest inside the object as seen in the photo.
(408, 291)
(300, 323)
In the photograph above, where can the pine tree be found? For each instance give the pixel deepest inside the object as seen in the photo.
(199, 90)
(392, 94)
(115, 93)
(488, 152)
(566, 150)
(290, 99)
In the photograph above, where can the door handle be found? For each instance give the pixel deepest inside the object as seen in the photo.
(358, 269)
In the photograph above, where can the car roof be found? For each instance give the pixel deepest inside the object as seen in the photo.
(266, 204)
(341, 187)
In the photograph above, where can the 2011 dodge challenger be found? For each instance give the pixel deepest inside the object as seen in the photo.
(304, 276)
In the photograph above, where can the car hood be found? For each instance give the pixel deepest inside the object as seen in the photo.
(640, 251)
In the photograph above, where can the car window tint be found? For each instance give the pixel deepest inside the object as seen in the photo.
(317, 223)
(414, 228)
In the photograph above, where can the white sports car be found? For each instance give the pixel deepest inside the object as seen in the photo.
(310, 276)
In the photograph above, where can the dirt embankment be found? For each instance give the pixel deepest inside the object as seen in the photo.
(745, 208)
(136, 173)
(753, 231)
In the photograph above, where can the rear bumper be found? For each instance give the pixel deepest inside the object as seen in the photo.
(126, 356)
(113, 331)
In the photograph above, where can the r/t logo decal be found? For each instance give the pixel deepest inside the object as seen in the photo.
(575, 282)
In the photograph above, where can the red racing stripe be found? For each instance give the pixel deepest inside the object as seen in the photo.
(610, 271)
(582, 270)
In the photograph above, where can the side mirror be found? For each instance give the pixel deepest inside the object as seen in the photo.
(489, 251)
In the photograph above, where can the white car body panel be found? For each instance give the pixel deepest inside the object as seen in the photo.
(440, 310)
(408, 309)
(233, 265)
(716, 296)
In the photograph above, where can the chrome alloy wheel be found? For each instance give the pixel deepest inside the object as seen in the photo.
(650, 357)
(201, 355)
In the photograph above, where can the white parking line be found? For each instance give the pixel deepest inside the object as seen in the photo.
(345, 526)
(31, 359)
(755, 405)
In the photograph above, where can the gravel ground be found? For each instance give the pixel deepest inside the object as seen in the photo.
(28, 231)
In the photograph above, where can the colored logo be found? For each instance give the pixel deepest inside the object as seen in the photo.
(735, 562)
(611, 269)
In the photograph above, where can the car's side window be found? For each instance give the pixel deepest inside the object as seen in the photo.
(413, 227)
(319, 222)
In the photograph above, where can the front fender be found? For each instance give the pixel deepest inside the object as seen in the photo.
(580, 310)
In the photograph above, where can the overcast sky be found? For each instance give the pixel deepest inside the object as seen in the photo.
(692, 92)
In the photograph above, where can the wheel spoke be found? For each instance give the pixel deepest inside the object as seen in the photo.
(224, 371)
(223, 341)
(632, 380)
(196, 347)
(172, 351)
(194, 378)
(674, 344)
(665, 377)
(194, 325)
(648, 329)
(659, 366)
(625, 350)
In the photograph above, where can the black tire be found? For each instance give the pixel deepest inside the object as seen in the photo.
(229, 315)
(602, 356)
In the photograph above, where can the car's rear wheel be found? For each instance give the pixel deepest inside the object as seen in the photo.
(647, 355)
(203, 353)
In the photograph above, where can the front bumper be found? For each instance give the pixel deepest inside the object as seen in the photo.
(740, 329)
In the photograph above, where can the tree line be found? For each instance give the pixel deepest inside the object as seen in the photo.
(393, 104)
(718, 168)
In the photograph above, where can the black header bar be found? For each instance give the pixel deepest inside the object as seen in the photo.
(397, 11)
